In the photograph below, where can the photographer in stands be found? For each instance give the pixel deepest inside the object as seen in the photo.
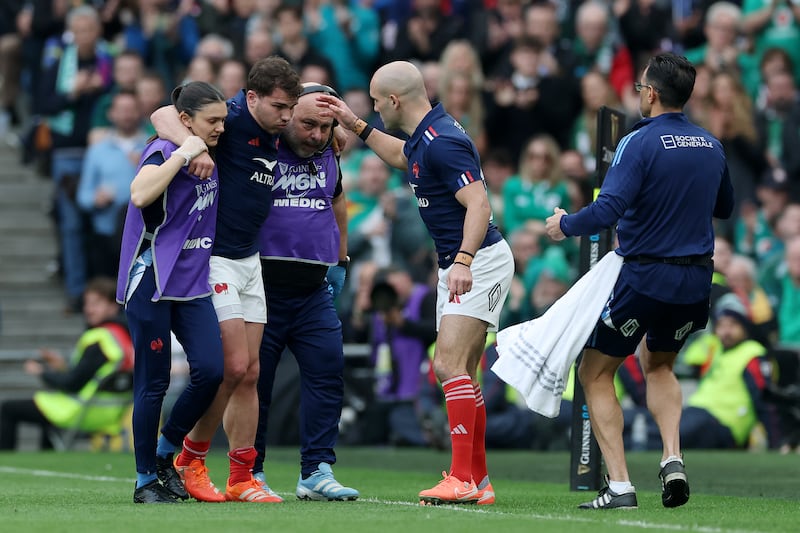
(402, 327)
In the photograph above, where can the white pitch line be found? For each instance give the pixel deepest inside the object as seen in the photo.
(438, 508)
(629, 523)
(66, 475)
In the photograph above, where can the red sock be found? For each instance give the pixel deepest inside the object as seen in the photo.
(242, 460)
(479, 470)
(460, 400)
(192, 450)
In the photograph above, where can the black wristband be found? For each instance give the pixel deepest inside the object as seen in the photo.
(460, 263)
(365, 132)
(466, 252)
(345, 263)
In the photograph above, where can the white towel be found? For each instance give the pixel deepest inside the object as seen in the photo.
(535, 356)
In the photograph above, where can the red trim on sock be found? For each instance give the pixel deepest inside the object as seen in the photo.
(241, 460)
(460, 401)
(192, 450)
(479, 470)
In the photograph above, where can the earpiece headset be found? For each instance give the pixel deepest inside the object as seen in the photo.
(319, 88)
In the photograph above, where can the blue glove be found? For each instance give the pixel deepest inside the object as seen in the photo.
(336, 276)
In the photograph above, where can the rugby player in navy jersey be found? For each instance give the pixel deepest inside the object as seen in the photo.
(475, 263)
(246, 158)
(667, 180)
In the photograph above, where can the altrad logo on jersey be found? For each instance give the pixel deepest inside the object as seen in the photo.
(422, 202)
(263, 178)
(267, 177)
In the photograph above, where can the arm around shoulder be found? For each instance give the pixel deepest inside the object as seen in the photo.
(168, 124)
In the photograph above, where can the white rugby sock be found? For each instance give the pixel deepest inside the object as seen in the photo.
(620, 487)
(670, 459)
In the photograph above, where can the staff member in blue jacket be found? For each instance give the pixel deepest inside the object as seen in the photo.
(667, 180)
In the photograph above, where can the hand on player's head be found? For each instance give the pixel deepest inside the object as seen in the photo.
(337, 109)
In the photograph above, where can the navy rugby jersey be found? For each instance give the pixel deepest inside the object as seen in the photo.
(441, 160)
(246, 157)
(667, 178)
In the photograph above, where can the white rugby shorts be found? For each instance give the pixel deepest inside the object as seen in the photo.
(237, 289)
(492, 270)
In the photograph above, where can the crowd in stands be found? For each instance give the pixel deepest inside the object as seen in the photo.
(525, 78)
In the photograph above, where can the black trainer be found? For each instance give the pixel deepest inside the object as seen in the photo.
(674, 485)
(153, 492)
(169, 477)
(608, 499)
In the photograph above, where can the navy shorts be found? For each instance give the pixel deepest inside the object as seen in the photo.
(628, 315)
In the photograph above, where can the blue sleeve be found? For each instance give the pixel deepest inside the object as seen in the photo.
(725, 200)
(620, 187)
(88, 181)
(156, 158)
(454, 162)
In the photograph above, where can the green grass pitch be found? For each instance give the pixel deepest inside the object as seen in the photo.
(86, 492)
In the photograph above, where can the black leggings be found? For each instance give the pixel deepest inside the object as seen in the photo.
(15, 412)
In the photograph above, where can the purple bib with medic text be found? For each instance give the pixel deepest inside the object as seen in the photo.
(301, 224)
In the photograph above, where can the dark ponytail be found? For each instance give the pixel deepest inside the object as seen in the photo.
(191, 97)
